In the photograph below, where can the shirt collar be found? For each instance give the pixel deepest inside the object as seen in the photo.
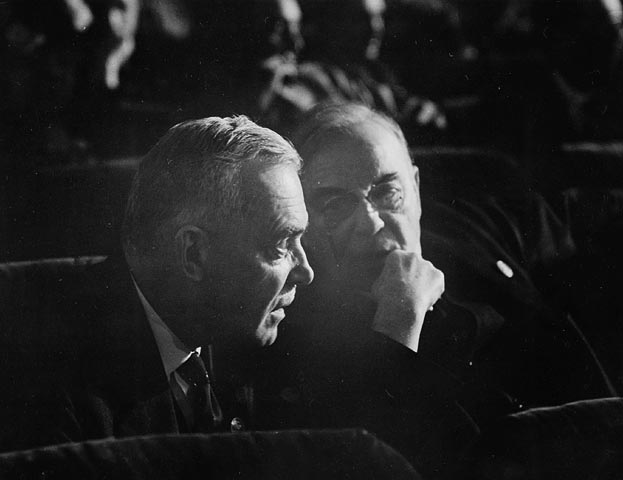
(172, 350)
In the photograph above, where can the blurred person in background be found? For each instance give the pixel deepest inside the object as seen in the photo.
(239, 48)
(64, 71)
(426, 48)
(583, 43)
(341, 62)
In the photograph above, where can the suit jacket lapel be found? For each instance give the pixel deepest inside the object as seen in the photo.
(151, 407)
(131, 377)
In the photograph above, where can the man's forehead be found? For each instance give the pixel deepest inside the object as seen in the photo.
(262, 178)
(282, 219)
(274, 192)
(357, 158)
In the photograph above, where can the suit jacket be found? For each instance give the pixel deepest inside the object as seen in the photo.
(336, 372)
(539, 356)
(105, 377)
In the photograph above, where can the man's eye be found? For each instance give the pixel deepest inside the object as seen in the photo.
(338, 206)
(388, 197)
(278, 251)
(337, 209)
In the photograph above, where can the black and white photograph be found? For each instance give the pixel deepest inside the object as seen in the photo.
(311, 239)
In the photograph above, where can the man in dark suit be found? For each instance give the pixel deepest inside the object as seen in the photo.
(437, 355)
(212, 239)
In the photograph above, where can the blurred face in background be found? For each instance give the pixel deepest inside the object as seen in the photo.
(345, 30)
(247, 33)
(278, 27)
(581, 39)
(375, 10)
(285, 34)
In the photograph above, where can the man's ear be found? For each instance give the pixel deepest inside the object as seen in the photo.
(416, 177)
(190, 247)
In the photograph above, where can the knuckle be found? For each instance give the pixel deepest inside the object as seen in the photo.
(428, 265)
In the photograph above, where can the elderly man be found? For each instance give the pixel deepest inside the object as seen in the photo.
(212, 238)
(385, 350)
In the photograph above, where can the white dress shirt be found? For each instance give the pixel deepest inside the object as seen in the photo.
(172, 350)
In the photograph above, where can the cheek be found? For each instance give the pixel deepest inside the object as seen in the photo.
(245, 276)
(319, 247)
(268, 281)
(409, 226)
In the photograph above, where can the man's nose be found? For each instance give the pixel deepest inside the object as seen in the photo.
(367, 219)
(302, 273)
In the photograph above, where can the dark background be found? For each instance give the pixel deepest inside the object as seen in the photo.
(531, 87)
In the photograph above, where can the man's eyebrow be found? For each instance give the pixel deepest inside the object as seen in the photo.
(293, 231)
(388, 177)
(323, 191)
(289, 231)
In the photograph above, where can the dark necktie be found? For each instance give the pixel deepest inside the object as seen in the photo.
(201, 410)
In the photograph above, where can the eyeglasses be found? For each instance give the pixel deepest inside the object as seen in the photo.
(386, 197)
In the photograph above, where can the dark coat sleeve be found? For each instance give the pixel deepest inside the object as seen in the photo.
(408, 399)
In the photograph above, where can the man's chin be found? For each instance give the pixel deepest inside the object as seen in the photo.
(266, 338)
(266, 334)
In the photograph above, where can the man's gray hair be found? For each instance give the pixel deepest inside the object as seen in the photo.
(193, 175)
(334, 118)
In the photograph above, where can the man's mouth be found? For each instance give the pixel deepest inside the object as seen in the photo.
(286, 300)
(276, 316)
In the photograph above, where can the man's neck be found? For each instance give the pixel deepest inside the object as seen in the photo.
(173, 352)
(235, 365)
